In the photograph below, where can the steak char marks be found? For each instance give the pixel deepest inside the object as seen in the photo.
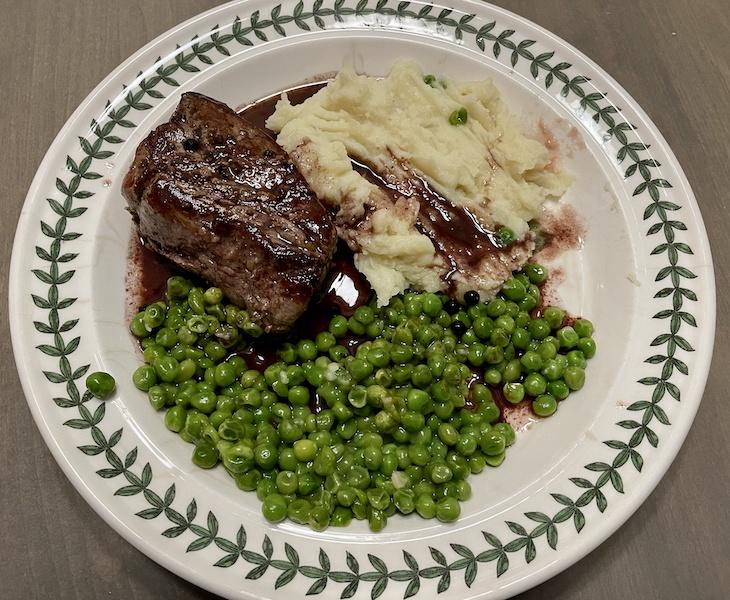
(218, 197)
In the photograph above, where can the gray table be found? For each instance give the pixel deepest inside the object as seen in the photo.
(673, 56)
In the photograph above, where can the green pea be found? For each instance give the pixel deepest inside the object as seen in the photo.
(378, 357)
(364, 315)
(417, 400)
(514, 392)
(186, 370)
(587, 346)
(512, 371)
(358, 477)
(539, 329)
(425, 506)
(413, 306)
(341, 517)
(205, 402)
(499, 338)
(432, 304)
(583, 327)
(175, 418)
(448, 510)
(299, 395)
(359, 369)
(447, 434)
(505, 429)
(355, 326)
(239, 458)
(466, 444)
(286, 482)
(422, 376)
(400, 354)
(441, 473)
(552, 369)
(205, 456)
(483, 327)
(137, 326)
(554, 317)
(521, 338)
(496, 307)
(154, 315)
(177, 287)
(215, 351)
(225, 374)
(418, 454)
(232, 430)
(412, 421)
(528, 304)
(401, 374)
(379, 499)
(458, 117)
(286, 459)
(405, 501)
(305, 450)
(547, 350)
(477, 463)
(266, 456)
(251, 398)
(325, 420)
(249, 481)
(265, 488)
(338, 353)
(535, 384)
(537, 273)
(298, 510)
(274, 508)
(325, 340)
(492, 376)
(288, 353)
(157, 397)
(531, 361)
(492, 443)
(496, 460)
(197, 325)
(166, 337)
(144, 378)
(558, 389)
(152, 352)
(567, 337)
(514, 289)
(574, 377)
(544, 405)
(101, 384)
(307, 349)
(377, 520)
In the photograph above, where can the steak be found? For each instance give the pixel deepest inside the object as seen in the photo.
(218, 197)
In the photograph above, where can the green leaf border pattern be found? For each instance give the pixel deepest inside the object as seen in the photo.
(527, 536)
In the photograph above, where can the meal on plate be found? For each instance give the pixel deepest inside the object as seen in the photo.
(350, 310)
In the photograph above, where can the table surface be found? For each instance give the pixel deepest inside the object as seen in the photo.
(673, 56)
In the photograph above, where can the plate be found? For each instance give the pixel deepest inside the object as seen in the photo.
(643, 275)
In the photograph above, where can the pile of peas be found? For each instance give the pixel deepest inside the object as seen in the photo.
(401, 428)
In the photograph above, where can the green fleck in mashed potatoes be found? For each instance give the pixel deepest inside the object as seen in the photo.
(423, 182)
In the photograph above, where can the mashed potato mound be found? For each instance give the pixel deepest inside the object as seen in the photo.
(399, 127)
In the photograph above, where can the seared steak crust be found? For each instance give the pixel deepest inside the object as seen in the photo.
(218, 197)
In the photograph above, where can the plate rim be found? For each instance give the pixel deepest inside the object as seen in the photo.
(604, 528)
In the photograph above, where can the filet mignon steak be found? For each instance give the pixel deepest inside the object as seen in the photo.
(217, 196)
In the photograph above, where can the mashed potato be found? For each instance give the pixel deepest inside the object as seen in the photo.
(399, 127)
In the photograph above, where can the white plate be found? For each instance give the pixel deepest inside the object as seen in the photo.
(644, 276)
